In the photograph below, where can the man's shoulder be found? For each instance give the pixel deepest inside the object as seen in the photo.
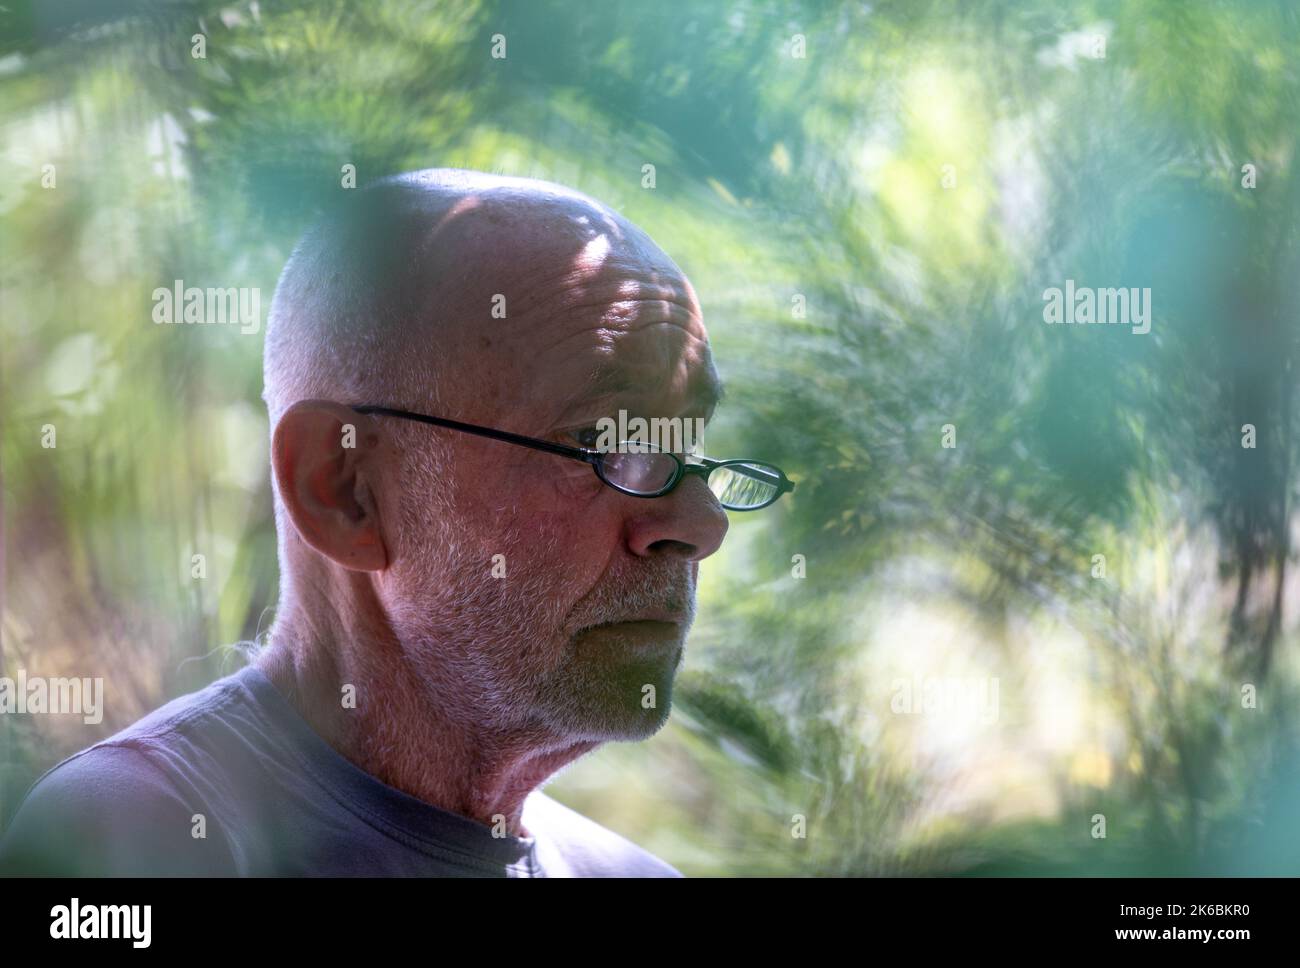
(187, 712)
(108, 810)
(117, 806)
(571, 845)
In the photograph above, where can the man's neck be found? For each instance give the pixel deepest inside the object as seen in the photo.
(362, 696)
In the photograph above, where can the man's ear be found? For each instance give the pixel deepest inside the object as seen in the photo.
(326, 460)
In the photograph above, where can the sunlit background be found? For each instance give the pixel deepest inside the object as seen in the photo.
(915, 664)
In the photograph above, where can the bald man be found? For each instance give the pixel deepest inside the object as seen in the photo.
(463, 612)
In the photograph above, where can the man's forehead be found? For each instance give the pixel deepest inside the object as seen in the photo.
(595, 307)
(637, 336)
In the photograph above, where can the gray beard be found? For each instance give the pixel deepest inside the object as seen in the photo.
(506, 655)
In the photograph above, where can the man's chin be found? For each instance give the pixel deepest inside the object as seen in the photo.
(627, 726)
(619, 687)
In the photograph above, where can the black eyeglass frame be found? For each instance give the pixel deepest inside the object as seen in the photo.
(596, 458)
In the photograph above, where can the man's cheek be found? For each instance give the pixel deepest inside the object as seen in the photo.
(579, 487)
(576, 562)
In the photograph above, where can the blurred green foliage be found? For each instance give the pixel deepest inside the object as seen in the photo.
(918, 178)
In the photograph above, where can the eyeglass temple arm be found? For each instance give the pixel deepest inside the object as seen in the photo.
(575, 453)
(782, 483)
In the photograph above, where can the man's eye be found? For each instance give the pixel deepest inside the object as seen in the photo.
(586, 437)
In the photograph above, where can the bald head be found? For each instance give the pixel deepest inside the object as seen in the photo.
(382, 293)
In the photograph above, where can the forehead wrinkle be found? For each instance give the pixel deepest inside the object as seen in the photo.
(618, 276)
(656, 309)
(608, 336)
(547, 293)
(616, 306)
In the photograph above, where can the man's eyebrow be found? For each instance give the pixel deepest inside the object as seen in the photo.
(606, 381)
(713, 393)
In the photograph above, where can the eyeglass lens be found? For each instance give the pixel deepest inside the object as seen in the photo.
(736, 486)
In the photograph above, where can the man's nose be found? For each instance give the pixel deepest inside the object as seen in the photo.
(688, 523)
